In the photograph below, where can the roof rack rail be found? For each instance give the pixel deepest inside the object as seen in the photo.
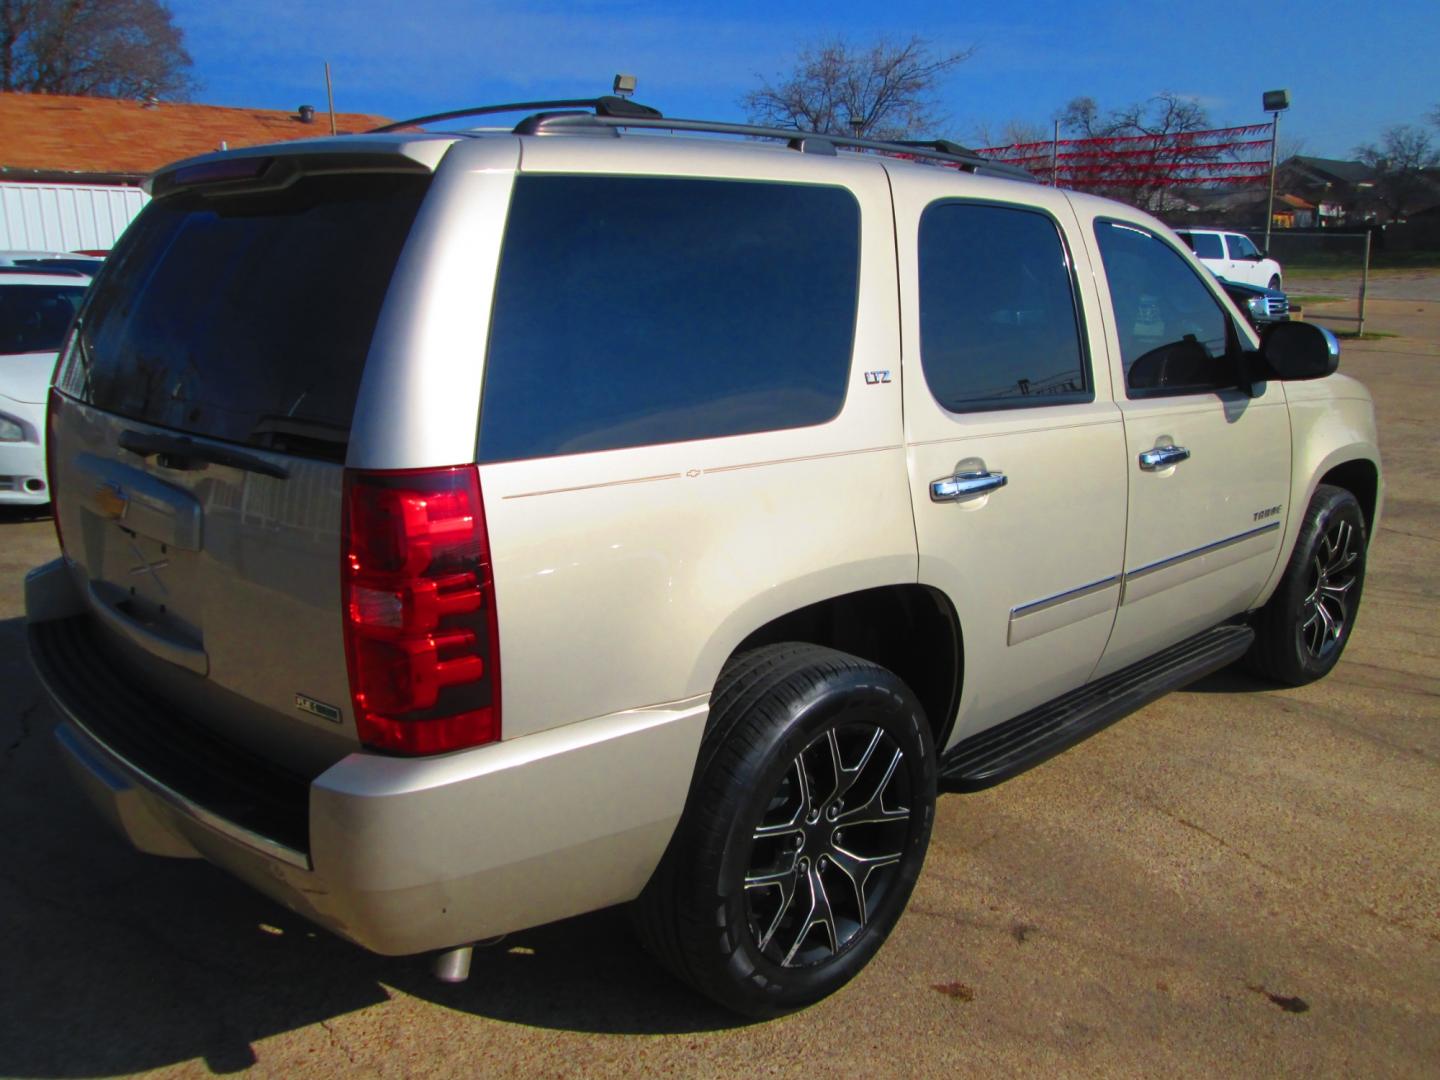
(607, 106)
(940, 150)
(945, 146)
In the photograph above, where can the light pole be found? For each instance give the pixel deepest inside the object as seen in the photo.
(1274, 102)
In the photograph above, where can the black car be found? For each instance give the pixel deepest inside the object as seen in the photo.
(1260, 305)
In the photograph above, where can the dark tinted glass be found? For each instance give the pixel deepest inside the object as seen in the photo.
(34, 318)
(247, 317)
(637, 310)
(1205, 245)
(998, 324)
(1174, 336)
(1242, 248)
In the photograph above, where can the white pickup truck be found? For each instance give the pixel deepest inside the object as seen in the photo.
(1233, 256)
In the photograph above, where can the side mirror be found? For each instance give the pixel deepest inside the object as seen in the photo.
(1292, 351)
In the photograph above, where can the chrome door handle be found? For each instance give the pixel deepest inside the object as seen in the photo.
(966, 485)
(1162, 457)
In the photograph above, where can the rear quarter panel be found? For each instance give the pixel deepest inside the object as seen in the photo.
(625, 578)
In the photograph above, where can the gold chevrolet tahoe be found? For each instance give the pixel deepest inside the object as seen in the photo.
(464, 530)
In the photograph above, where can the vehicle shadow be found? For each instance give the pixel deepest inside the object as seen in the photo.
(1234, 679)
(18, 514)
(116, 962)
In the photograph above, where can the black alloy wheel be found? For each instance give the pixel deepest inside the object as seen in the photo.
(828, 847)
(1303, 629)
(804, 833)
(1334, 572)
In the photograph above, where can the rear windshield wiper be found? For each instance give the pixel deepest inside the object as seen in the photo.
(178, 452)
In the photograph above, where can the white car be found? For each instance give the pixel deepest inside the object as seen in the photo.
(1232, 256)
(35, 312)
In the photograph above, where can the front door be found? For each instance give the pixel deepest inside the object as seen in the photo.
(1208, 465)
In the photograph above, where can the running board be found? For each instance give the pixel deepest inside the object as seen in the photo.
(1001, 752)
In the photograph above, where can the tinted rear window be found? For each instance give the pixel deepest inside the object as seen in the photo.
(639, 310)
(247, 317)
(34, 318)
(999, 327)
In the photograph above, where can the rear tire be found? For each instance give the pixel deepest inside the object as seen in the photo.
(804, 833)
(1302, 630)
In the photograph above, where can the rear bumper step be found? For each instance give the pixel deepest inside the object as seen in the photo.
(1007, 749)
(211, 780)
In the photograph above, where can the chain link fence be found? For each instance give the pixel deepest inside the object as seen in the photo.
(1326, 274)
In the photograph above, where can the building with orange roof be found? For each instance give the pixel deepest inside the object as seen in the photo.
(71, 167)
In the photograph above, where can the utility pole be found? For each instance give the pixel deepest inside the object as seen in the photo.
(1055, 158)
(1274, 102)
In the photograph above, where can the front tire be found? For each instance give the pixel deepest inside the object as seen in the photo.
(804, 834)
(1301, 632)
(1275, 282)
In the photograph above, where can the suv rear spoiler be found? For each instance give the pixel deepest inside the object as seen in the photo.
(278, 164)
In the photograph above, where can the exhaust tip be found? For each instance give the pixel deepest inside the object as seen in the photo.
(453, 966)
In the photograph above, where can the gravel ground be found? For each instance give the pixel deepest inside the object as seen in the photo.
(1236, 880)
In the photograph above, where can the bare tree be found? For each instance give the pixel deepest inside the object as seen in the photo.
(1012, 132)
(885, 90)
(1141, 171)
(1400, 161)
(99, 48)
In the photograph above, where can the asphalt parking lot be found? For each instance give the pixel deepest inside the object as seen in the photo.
(1237, 880)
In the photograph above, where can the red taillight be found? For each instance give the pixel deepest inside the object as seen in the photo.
(421, 637)
(52, 406)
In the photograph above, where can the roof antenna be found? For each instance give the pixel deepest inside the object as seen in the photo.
(623, 86)
(330, 93)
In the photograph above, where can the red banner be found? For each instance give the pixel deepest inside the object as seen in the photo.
(1179, 138)
(1192, 159)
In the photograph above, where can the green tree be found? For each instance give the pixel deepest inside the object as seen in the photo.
(884, 90)
(98, 48)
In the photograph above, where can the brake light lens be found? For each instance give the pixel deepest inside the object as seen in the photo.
(421, 637)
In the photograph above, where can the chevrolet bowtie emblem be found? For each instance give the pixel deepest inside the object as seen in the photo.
(111, 500)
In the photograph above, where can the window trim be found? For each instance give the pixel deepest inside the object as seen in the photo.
(1082, 330)
(1235, 342)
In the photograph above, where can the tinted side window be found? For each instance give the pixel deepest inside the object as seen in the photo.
(1242, 248)
(998, 321)
(640, 310)
(1174, 336)
(1205, 245)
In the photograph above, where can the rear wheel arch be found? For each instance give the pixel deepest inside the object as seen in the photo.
(911, 630)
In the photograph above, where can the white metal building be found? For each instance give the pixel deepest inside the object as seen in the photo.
(65, 217)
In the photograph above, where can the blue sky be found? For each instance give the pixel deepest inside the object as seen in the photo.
(1352, 69)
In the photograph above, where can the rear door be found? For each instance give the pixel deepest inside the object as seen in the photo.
(1244, 260)
(1016, 452)
(201, 428)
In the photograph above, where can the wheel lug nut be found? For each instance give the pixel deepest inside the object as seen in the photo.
(833, 812)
